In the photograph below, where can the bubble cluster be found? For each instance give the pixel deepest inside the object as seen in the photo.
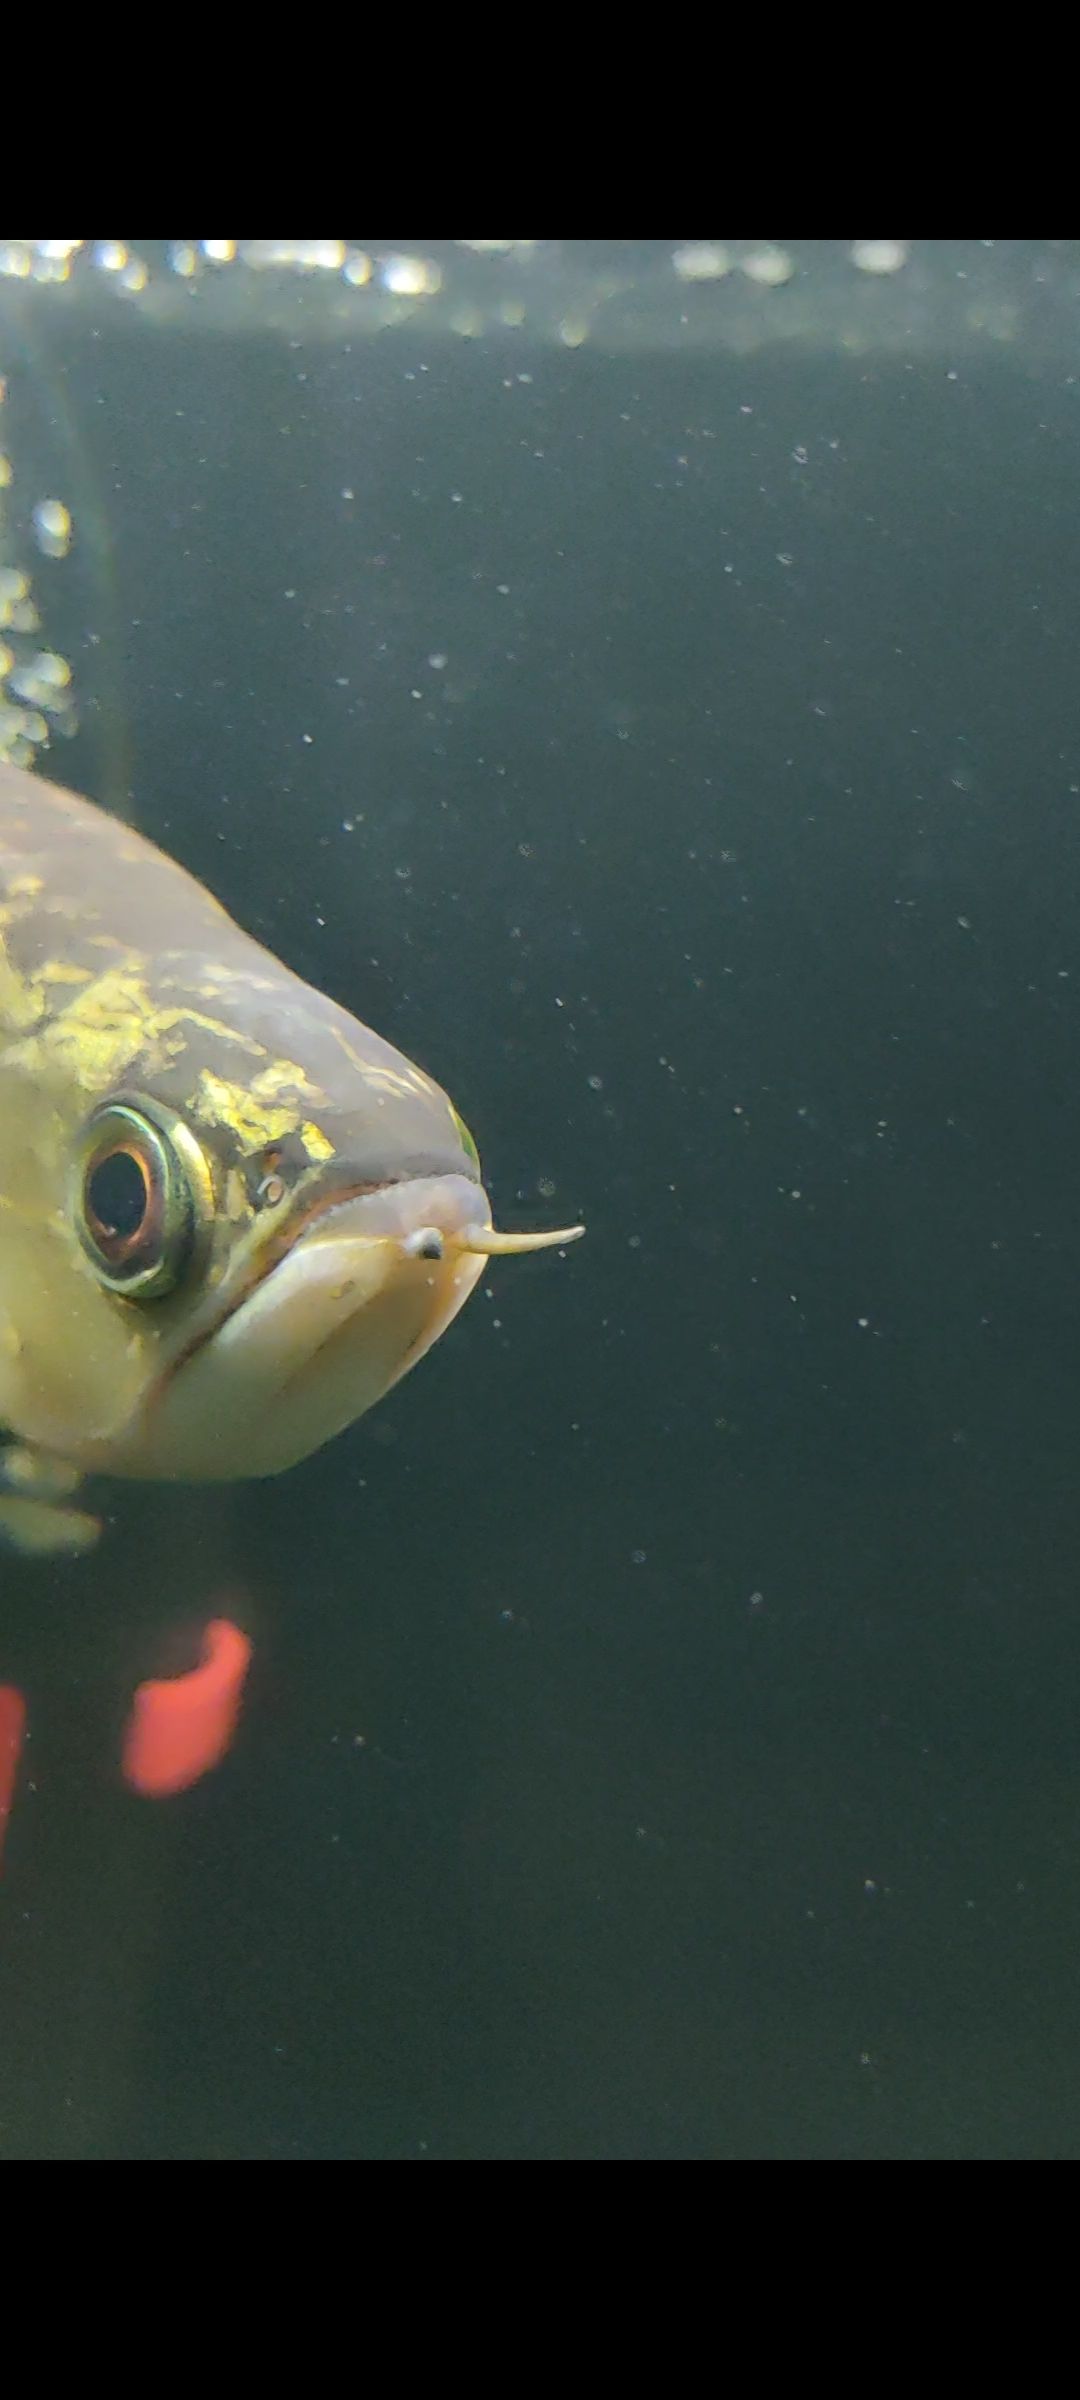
(36, 698)
(618, 296)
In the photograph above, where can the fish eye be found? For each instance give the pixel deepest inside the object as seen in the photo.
(142, 1197)
(465, 1138)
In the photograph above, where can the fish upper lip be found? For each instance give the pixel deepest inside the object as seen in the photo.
(322, 1205)
(326, 1205)
(280, 1245)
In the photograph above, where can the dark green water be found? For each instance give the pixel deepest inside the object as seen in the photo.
(707, 1603)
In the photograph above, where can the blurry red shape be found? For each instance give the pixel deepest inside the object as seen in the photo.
(12, 1728)
(182, 1726)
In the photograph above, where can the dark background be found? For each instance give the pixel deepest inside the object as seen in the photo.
(706, 1604)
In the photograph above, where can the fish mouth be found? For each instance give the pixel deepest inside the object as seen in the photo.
(323, 1324)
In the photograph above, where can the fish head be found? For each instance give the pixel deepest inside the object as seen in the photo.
(234, 1217)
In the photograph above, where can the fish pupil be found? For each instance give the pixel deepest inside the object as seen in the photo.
(117, 1195)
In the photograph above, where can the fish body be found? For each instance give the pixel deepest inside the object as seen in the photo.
(231, 1215)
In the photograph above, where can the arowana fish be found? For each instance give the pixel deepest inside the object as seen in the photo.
(231, 1216)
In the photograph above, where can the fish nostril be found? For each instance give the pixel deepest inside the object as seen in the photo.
(426, 1242)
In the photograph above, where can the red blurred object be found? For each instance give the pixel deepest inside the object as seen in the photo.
(12, 1728)
(181, 1727)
